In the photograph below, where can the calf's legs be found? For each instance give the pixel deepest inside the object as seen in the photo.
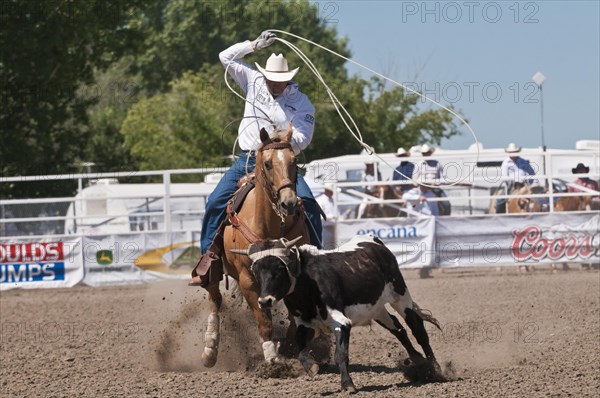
(393, 325)
(303, 336)
(417, 326)
(342, 342)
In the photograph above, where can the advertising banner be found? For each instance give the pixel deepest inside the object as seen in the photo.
(528, 239)
(135, 258)
(410, 239)
(40, 263)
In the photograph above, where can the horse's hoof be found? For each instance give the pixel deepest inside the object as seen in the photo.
(308, 363)
(349, 387)
(313, 370)
(278, 359)
(310, 367)
(209, 359)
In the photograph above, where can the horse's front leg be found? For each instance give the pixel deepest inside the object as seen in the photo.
(249, 288)
(211, 335)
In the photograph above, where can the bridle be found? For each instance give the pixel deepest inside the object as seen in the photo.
(274, 192)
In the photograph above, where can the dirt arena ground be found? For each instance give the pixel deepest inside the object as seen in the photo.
(505, 334)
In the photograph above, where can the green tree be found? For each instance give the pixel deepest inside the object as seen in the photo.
(177, 129)
(395, 117)
(49, 48)
(114, 91)
(138, 83)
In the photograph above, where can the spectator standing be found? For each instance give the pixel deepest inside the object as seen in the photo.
(404, 171)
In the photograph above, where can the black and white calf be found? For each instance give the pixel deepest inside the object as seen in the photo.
(334, 290)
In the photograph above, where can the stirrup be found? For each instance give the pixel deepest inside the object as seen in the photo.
(208, 270)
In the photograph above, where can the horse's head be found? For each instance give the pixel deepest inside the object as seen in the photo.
(382, 192)
(385, 191)
(276, 170)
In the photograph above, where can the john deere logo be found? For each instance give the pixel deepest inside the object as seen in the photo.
(104, 257)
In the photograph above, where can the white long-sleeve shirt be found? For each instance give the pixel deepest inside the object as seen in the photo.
(428, 171)
(261, 108)
(517, 170)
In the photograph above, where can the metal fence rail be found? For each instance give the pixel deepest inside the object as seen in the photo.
(165, 208)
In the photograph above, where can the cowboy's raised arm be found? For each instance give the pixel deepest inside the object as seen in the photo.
(231, 57)
(231, 60)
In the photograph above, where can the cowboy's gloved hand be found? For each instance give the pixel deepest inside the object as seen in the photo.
(265, 39)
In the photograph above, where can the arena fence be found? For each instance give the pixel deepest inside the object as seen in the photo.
(114, 232)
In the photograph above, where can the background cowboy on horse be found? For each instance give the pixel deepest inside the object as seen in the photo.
(515, 173)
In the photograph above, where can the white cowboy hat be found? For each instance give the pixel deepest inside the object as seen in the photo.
(401, 152)
(426, 148)
(276, 69)
(512, 148)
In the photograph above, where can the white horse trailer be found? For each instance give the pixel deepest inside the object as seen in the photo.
(470, 175)
(108, 207)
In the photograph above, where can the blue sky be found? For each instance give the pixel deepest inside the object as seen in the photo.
(480, 56)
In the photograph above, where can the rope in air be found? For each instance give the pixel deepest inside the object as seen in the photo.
(339, 107)
(337, 104)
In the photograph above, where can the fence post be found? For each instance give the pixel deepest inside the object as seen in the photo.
(167, 207)
(550, 190)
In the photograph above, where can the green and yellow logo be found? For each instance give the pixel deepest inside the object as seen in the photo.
(104, 257)
(152, 260)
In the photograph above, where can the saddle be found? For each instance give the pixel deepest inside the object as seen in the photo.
(209, 269)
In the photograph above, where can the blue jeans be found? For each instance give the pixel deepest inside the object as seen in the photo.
(217, 202)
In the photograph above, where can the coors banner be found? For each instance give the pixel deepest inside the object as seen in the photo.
(511, 240)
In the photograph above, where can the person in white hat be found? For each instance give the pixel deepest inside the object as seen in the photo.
(273, 101)
(516, 169)
(430, 172)
(515, 173)
(325, 200)
(428, 169)
(404, 171)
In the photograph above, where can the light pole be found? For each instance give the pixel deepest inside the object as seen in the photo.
(539, 79)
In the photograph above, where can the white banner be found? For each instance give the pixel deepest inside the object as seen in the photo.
(410, 239)
(528, 239)
(40, 263)
(136, 258)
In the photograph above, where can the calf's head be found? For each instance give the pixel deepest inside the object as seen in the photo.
(275, 265)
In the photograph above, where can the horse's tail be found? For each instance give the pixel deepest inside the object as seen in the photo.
(426, 315)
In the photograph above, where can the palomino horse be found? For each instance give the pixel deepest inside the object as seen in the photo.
(517, 204)
(270, 211)
(535, 205)
(382, 210)
(540, 204)
(572, 203)
(524, 204)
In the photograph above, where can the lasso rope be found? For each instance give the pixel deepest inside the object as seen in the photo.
(341, 110)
